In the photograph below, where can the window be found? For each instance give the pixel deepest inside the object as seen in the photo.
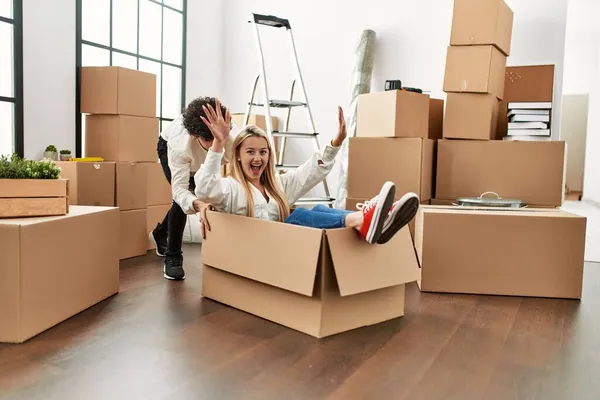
(147, 35)
(11, 77)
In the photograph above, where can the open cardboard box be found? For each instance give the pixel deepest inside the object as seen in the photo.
(320, 282)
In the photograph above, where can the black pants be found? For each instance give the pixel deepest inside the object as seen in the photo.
(174, 222)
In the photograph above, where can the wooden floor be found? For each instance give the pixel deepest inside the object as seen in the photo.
(160, 340)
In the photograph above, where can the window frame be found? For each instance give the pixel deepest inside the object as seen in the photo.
(17, 99)
(79, 42)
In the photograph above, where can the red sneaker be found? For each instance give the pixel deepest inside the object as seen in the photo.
(401, 213)
(375, 212)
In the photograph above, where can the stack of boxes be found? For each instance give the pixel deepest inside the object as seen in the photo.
(121, 126)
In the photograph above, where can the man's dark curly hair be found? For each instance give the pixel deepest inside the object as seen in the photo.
(191, 117)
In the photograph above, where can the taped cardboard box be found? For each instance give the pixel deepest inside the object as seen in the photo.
(33, 197)
(90, 184)
(133, 235)
(408, 162)
(533, 172)
(482, 22)
(131, 185)
(521, 252)
(40, 288)
(121, 138)
(320, 282)
(393, 113)
(155, 215)
(158, 188)
(475, 69)
(118, 90)
(471, 116)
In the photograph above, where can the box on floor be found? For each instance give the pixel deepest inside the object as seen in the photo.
(334, 281)
(118, 90)
(158, 188)
(131, 185)
(90, 184)
(533, 172)
(55, 267)
(408, 162)
(477, 22)
(133, 234)
(519, 252)
(471, 116)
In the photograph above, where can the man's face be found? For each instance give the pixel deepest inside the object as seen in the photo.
(205, 143)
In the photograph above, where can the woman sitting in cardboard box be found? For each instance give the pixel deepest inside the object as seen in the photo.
(254, 189)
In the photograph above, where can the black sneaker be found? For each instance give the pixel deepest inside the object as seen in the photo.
(159, 241)
(173, 268)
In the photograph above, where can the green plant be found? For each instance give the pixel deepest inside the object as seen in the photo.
(16, 167)
(65, 152)
(51, 148)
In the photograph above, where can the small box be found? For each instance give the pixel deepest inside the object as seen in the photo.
(55, 267)
(475, 69)
(408, 162)
(33, 197)
(436, 118)
(133, 236)
(155, 215)
(121, 138)
(334, 281)
(529, 83)
(131, 186)
(159, 190)
(90, 183)
(533, 172)
(393, 113)
(520, 252)
(118, 90)
(482, 22)
(471, 116)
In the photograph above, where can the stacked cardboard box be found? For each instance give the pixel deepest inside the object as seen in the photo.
(395, 141)
(121, 127)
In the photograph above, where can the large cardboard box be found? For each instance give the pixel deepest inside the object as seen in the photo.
(117, 90)
(90, 184)
(408, 162)
(121, 138)
(471, 116)
(475, 69)
(534, 172)
(334, 281)
(158, 188)
(131, 187)
(393, 113)
(503, 252)
(33, 197)
(54, 267)
(436, 118)
(154, 215)
(533, 83)
(133, 238)
(482, 22)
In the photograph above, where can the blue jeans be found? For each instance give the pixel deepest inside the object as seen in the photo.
(321, 217)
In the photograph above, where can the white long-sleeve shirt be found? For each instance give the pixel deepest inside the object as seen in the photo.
(186, 155)
(226, 194)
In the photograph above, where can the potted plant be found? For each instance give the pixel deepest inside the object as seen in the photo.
(51, 153)
(65, 155)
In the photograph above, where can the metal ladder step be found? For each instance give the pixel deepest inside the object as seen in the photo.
(299, 135)
(281, 104)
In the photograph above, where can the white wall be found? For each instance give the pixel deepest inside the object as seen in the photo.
(412, 37)
(591, 183)
(573, 130)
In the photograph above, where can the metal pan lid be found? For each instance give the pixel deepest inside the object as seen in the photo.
(482, 201)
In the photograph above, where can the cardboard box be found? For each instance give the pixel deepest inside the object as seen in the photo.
(475, 69)
(408, 162)
(121, 138)
(334, 281)
(529, 83)
(441, 202)
(134, 238)
(118, 90)
(131, 187)
(477, 22)
(159, 190)
(471, 116)
(90, 184)
(436, 118)
(393, 113)
(55, 267)
(33, 197)
(534, 172)
(154, 215)
(522, 252)
(502, 126)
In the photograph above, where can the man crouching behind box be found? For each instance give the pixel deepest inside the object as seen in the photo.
(254, 189)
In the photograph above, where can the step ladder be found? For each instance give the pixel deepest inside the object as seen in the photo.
(283, 135)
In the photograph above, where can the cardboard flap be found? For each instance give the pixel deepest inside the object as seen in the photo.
(361, 267)
(274, 253)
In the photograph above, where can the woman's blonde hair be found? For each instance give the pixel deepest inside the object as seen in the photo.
(267, 178)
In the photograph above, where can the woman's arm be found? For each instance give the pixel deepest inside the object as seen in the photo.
(211, 186)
